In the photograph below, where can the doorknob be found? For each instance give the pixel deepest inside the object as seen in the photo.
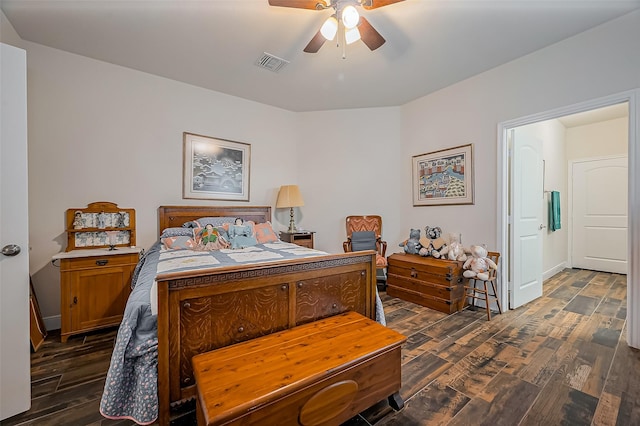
(541, 227)
(11, 250)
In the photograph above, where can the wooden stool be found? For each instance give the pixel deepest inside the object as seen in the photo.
(488, 285)
(321, 373)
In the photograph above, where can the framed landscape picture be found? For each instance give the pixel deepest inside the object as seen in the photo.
(443, 177)
(215, 169)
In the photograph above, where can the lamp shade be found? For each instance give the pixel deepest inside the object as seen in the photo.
(329, 28)
(351, 35)
(350, 17)
(289, 196)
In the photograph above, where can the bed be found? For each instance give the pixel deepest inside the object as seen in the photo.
(175, 314)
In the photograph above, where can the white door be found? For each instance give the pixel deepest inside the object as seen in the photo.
(527, 207)
(599, 206)
(15, 378)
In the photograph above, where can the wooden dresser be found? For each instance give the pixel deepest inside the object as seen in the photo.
(96, 267)
(435, 283)
(94, 287)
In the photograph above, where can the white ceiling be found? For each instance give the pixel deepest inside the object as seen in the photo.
(214, 43)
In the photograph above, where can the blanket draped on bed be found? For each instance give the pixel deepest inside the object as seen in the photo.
(131, 387)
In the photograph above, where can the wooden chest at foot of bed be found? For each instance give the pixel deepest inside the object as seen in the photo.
(435, 283)
(321, 373)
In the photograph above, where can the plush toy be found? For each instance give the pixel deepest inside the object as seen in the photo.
(412, 245)
(433, 242)
(454, 251)
(478, 265)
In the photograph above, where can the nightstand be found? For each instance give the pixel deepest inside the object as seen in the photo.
(94, 287)
(304, 239)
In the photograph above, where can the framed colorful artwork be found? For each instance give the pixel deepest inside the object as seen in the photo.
(215, 169)
(443, 177)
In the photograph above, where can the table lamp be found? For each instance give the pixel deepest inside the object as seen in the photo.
(289, 196)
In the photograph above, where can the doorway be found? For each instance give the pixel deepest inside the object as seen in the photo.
(510, 268)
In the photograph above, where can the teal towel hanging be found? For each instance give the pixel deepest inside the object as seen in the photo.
(555, 210)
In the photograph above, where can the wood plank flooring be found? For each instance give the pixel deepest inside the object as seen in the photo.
(560, 360)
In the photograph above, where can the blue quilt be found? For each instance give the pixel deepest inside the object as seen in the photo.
(131, 386)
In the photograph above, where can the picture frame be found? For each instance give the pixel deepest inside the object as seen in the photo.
(215, 169)
(443, 177)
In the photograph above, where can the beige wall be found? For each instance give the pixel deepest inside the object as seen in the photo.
(590, 65)
(8, 34)
(99, 132)
(599, 139)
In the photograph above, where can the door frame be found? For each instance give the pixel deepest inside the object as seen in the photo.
(570, 165)
(503, 196)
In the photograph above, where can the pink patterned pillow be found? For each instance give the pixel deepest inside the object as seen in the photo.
(179, 242)
(265, 233)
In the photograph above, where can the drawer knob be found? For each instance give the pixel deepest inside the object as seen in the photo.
(362, 273)
(300, 285)
(186, 380)
(241, 329)
(186, 305)
(102, 262)
(284, 287)
(335, 305)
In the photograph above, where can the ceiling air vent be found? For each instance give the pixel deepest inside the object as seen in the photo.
(271, 62)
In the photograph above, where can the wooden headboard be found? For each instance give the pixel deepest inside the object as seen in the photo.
(175, 216)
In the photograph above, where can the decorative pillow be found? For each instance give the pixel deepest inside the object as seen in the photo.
(178, 242)
(177, 232)
(264, 233)
(208, 238)
(204, 221)
(363, 240)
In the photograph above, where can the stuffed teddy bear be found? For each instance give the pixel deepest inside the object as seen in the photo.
(433, 242)
(478, 265)
(454, 251)
(412, 245)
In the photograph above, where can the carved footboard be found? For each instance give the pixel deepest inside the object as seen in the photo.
(199, 312)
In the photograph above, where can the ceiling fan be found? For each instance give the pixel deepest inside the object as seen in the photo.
(345, 15)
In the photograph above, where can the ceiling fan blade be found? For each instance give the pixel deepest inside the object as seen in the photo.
(369, 35)
(300, 4)
(315, 44)
(374, 4)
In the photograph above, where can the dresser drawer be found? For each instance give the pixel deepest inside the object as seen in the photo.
(92, 262)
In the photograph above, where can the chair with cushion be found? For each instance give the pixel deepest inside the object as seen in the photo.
(487, 290)
(365, 233)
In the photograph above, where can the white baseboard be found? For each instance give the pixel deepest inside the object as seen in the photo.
(556, 269)
(52, 323)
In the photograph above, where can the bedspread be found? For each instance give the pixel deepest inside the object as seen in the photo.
(131, 386)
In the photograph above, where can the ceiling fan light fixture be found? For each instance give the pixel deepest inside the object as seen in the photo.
(329, 28)
(351, 35)
(350, 17)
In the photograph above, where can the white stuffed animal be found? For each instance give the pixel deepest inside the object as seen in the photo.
(455, 251)
(478, 265)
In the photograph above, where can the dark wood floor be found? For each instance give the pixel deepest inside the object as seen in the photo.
(560, 360)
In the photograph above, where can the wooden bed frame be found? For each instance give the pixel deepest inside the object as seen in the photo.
(207, 309)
